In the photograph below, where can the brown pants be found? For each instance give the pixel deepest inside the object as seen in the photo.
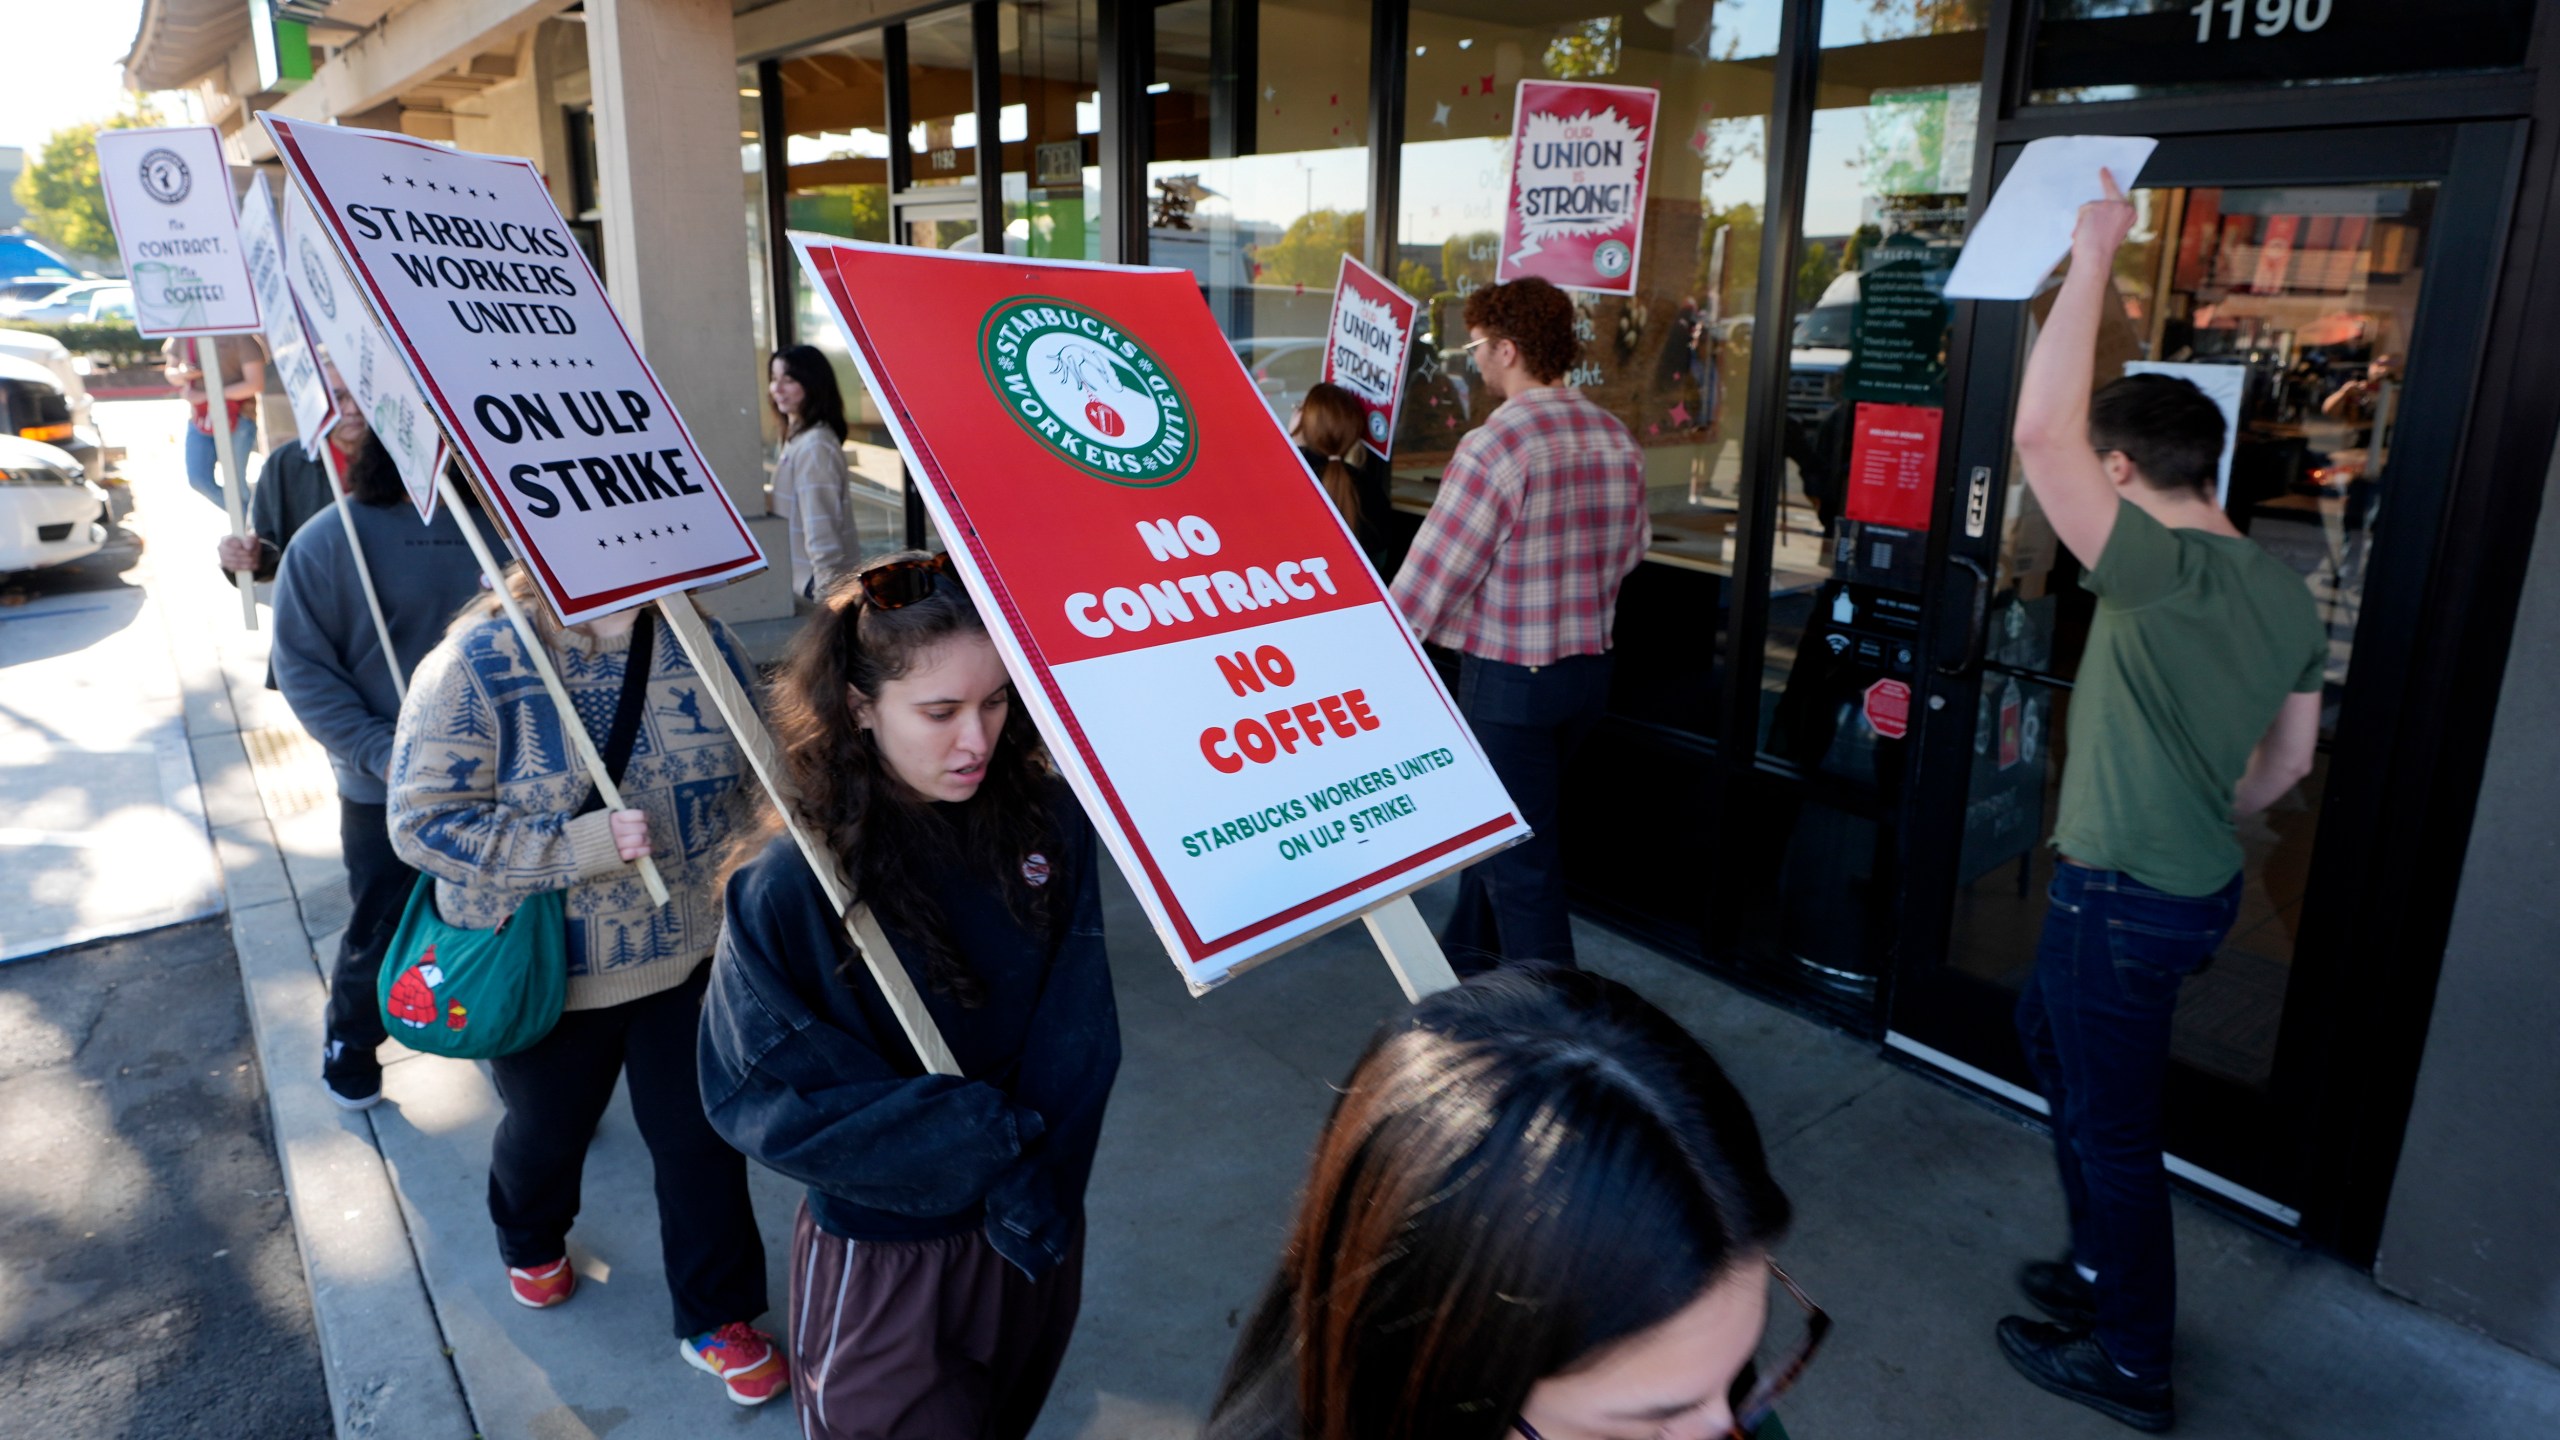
(923, 1340)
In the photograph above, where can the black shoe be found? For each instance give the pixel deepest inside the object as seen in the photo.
(2070, 1363)
(354, 1077)
(2055, 1287)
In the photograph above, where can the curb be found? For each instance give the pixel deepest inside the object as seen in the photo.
(383, 1356)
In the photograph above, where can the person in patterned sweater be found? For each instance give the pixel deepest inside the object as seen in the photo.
(488, 796)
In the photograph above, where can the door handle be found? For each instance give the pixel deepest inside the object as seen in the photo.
(1977, 632)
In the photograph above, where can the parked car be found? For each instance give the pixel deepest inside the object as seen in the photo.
(35, 405)
(25, 258)
(49, 514)
(110, 303)
(65, 304)
(1818, 352)
(1282, 367)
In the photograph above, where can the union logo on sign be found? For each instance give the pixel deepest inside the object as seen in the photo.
(1077, 383)
(165, 176)
(315, 277)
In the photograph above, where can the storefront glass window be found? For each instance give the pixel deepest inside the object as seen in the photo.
(1258, 180)
(1672, 360)
(2087, 50)
(835, 157)
(1887, 171)
(1052, 129)
(942, 115)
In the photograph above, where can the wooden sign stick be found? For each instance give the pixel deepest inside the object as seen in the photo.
(1411, 951)
(739, 712)
(235, 487)
(364, 572)
(541, 659)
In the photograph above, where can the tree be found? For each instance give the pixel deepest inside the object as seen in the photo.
(1310, 251)
(1814, 273)
(59, 188)
(1413, 278)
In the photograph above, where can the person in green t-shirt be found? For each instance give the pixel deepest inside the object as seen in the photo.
(2197, 704)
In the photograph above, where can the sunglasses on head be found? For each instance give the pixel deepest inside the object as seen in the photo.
(896, 584)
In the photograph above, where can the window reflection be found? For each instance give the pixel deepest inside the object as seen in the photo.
(1258, 180)
(1052, 127)
(1672, 361)
(834, 154)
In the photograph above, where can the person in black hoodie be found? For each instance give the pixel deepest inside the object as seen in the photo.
(936, 1264)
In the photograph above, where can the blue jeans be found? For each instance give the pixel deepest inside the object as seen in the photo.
(1529, 719)
(2095, 1022)
(202, 475)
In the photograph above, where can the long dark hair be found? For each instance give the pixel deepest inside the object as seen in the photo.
(1520, 1172)
(886, 836)
(821, 402)
(1330, 420)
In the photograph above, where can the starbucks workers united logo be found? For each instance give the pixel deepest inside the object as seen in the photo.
(1079, 385)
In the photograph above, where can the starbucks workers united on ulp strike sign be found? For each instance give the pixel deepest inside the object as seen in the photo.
(374, 375)
(169, 195)
(1217, 671)
(1366, 345)
(503, 323)
(1580, 157)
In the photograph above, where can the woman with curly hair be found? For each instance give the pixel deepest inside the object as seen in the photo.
(936, 1262)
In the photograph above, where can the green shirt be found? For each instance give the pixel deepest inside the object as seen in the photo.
(2197, 640)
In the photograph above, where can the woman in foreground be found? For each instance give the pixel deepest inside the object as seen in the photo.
(1539, 1211)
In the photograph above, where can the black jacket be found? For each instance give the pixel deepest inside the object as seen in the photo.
(293, 486)
(1369, 485)
(804, 1066)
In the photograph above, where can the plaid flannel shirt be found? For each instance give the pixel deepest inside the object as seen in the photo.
(1540, 516)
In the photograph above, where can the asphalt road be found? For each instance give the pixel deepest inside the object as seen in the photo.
(148, 1281)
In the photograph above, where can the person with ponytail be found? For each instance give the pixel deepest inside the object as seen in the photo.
(1327, 427)
(1540, 1211)
(936, 1263)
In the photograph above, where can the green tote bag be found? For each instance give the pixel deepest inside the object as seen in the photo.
(474, 994)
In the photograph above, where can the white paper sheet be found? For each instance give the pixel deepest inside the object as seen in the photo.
(2224, 385)
(2027, 227)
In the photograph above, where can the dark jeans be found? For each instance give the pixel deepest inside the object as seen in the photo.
(2095, 1023)
(1529, 719)
(379, 883)
(556, 1092)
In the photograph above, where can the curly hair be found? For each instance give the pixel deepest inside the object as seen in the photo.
(1534, 315)
(886, 837)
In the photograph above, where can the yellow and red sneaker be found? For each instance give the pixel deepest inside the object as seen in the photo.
(743, 1357)
(543, 1286)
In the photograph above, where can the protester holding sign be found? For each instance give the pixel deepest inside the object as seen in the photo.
(486, 795)
(329, 663)
(295, 485)
(244, 374)
(1539, 1210)
(1327, 425)
(1540, 517)
(937, 1261)
(811, 486)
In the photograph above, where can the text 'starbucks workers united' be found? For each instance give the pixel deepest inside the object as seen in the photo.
(1074, 381)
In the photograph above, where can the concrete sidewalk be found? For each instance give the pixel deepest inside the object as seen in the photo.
(1914, 1201)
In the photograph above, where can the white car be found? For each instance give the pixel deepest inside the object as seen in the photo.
(49, 513)
(66, 303)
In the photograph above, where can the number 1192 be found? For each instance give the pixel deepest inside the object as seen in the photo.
(2268, 18)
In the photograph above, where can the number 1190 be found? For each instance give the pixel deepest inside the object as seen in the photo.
(2266, 17)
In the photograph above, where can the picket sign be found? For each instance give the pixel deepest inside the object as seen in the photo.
(1159, 571)
(296, 358)
(169, 201)
(584, 564)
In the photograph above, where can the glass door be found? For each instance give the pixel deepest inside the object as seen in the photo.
(2317, 308)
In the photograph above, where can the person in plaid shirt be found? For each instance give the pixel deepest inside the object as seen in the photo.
(1540, 517)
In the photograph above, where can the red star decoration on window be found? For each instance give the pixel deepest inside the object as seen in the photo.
(1487, 85)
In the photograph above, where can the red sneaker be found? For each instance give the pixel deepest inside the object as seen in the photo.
(744, 1359)
(543, 1286)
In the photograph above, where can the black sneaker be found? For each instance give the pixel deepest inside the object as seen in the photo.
(2072, 1364)
(354, 1077)
(2055, 1287)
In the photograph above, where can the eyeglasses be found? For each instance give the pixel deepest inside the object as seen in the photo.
(1760, 1392)
(897, 584)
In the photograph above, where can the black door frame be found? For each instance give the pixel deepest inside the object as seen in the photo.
(2272, 1145)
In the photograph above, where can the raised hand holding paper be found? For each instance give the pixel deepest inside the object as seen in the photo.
(2027, 227)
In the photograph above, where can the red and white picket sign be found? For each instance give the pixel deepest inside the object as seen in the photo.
(1367, 347)
(1581, 154)
(1219, 674)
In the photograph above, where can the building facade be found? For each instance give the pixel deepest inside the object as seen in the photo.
(1845, 667)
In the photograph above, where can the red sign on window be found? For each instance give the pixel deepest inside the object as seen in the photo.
(1893, 464)
(1889, 708)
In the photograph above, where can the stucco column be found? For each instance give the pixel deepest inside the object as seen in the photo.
(665, 74)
